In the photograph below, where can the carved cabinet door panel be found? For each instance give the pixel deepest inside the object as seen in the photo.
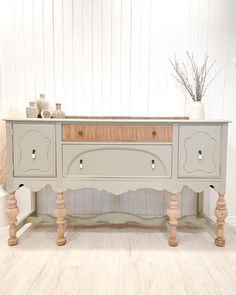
(34, 150)
(199, 151)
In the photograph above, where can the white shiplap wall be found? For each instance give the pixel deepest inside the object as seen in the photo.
(111, 57)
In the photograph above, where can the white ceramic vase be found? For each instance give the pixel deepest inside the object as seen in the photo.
(42, 103)
(3, 205)
(197, 111)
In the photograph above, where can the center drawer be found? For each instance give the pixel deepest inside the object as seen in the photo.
(106, 132)
(117, 160)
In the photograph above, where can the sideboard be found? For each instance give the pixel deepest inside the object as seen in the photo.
(116, 154)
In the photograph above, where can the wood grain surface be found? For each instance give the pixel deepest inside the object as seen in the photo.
(80, 132)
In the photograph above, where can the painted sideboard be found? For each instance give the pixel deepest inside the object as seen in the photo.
(117, 155)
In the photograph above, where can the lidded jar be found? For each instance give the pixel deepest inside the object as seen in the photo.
(31, 110)
(58, 113)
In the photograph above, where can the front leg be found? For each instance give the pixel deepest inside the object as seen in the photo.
(60, 213)
(12, 211)
(173, 213)
(220, 213)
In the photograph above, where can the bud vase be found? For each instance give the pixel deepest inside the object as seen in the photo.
(58, 113)
(197, 110)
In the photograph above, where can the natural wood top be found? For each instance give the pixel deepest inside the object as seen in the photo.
(118, 119)
(127, 117)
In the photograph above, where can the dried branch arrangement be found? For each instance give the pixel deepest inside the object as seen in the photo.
(195, 83)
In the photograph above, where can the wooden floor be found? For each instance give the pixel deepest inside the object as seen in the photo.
(117, 261)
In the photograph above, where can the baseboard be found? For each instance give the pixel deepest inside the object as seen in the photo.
(230, 219)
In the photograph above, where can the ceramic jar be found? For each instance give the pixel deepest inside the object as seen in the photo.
(197, 110)
(42, 103)
(58, 113)
(31, 110)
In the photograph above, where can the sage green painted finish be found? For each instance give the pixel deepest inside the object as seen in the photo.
(116, 167)
(200, 151)
(117, 160)
(34, 150)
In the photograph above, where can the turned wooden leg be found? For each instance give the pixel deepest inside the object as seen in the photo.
(12, 211)
(60, 213)
(220, 213)
(173, 213)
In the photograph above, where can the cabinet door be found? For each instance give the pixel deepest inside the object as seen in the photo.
(117, 160)
(199, 151)
(34, 150)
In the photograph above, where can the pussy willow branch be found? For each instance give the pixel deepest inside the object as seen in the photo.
(198, 76)
(182, 78)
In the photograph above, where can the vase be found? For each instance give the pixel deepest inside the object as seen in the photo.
(42, 104)
(58, 113)
(3, 206)
(197, 110)
(31, 110)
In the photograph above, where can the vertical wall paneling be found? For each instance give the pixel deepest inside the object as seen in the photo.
(125, 55)
(97, 57)
(39, 56)
(87, 44)
(144, 68)
(77, 56)
(135, 104)
(58, 49)
(29, 72)
(48, 49)
(116, 55)
(22, 88)
(107, 57)
(8, 56)
(68, 54)
(163, 31)
(154, 60)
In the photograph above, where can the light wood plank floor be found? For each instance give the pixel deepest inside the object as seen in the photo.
(117, 261)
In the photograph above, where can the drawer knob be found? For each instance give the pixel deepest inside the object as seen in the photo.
(80, 133)
(199, 155)
(33, 154)
(81, 164)
(154, 133)
(153, 164)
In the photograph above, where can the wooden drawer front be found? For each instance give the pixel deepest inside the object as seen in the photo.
(161, 133)
(117, 161)
(199, 151)
(34, 150)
